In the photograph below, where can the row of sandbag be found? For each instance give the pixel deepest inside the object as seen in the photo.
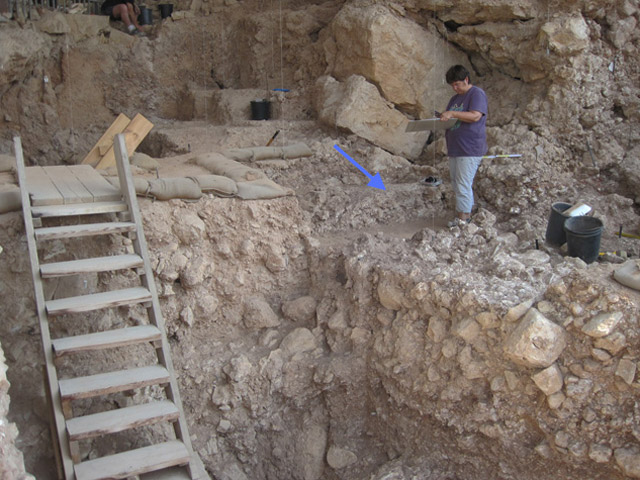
(228, 179)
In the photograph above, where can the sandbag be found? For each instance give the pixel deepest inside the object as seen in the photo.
(629, 274)
(216, 184)
(297, 150)
(261, 189)
(144, 161)
(10, 199)
(221, 165)
(7, 163)
(140, 185)
(180, 187)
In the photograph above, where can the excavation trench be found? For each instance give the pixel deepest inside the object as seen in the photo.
(312, 357)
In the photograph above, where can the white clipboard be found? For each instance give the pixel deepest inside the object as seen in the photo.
(430, 124)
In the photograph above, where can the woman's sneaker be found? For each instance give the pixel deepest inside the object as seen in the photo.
(458, 222)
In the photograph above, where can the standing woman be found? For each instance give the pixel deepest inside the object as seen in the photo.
(466, 140)
(124, 10)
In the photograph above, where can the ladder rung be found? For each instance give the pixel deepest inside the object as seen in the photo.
(96, 301)
(107, 339)
(114, 421)
(134, 462)
(83, 230)
(78, 209)
(90, 265)
(112, 382)
(174, 473)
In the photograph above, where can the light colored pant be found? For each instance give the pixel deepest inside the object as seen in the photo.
(463, 170)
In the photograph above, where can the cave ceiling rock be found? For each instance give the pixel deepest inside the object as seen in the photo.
(404, 60)
(467, 12)
(355, 105)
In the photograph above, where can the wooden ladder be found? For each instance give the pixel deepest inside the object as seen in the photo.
(171, 458)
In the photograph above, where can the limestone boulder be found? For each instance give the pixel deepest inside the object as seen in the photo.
(404, 60)
(258, 314)
(53, 23)
(357, 107)
(536, 341)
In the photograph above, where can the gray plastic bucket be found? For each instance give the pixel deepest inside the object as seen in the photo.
(555, 227)
(583, 237)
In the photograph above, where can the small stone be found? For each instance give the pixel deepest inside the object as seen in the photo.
(487, 320)
(518, 311)
(224, 426)
(600, 453)
(302, 309)
(589, 415)
(613, 343)
(497, 384)
(391, 297)
(186, 315)
(626, 370)
(628, 459)
(432, 373)
(562, 439)
(512, 380)
(536, 341)
(549, 380)
(600, 355)
(258, 314)
(299, 340)
(602, 324)
(449, 348)
(338, 458)
(544, 450)
(437, 329)
(545, 307)
(556, 400)
(467, 329)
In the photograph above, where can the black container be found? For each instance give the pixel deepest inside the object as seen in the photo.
(166, 9)
(555, 227)
(146, 16)
(583, 237)
(260, 110)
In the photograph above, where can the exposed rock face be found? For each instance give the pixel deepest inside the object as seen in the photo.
(378, 43)
(356, 106)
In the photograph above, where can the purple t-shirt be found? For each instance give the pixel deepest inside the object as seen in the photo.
(468, 139)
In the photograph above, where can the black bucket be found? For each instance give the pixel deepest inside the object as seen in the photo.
(555, 228)
(146, 16)
(166, 9)
(583, 237)
(260, 110)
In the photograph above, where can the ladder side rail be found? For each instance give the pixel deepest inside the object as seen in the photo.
(52, 376)
(155, 313)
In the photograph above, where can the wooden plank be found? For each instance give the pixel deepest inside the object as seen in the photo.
(121, 419)
(134, 134)
(79, 209)
(99, 187)
(96, 301)
(134, 462)
(174, 473)
(112, 382)
(89, 229)
(68, 185)
(40, 187)
(106, 140)
(90, 265)
(107, 339)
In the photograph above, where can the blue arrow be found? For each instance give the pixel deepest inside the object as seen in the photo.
(375, 181)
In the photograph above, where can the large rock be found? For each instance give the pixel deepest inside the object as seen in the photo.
(356, 106)
(536, 341)
(21, 50)
(628, 459)
(405, 61)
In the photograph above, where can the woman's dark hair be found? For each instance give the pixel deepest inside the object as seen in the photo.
(457, 73)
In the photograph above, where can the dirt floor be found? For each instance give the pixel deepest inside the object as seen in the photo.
(344, 332)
